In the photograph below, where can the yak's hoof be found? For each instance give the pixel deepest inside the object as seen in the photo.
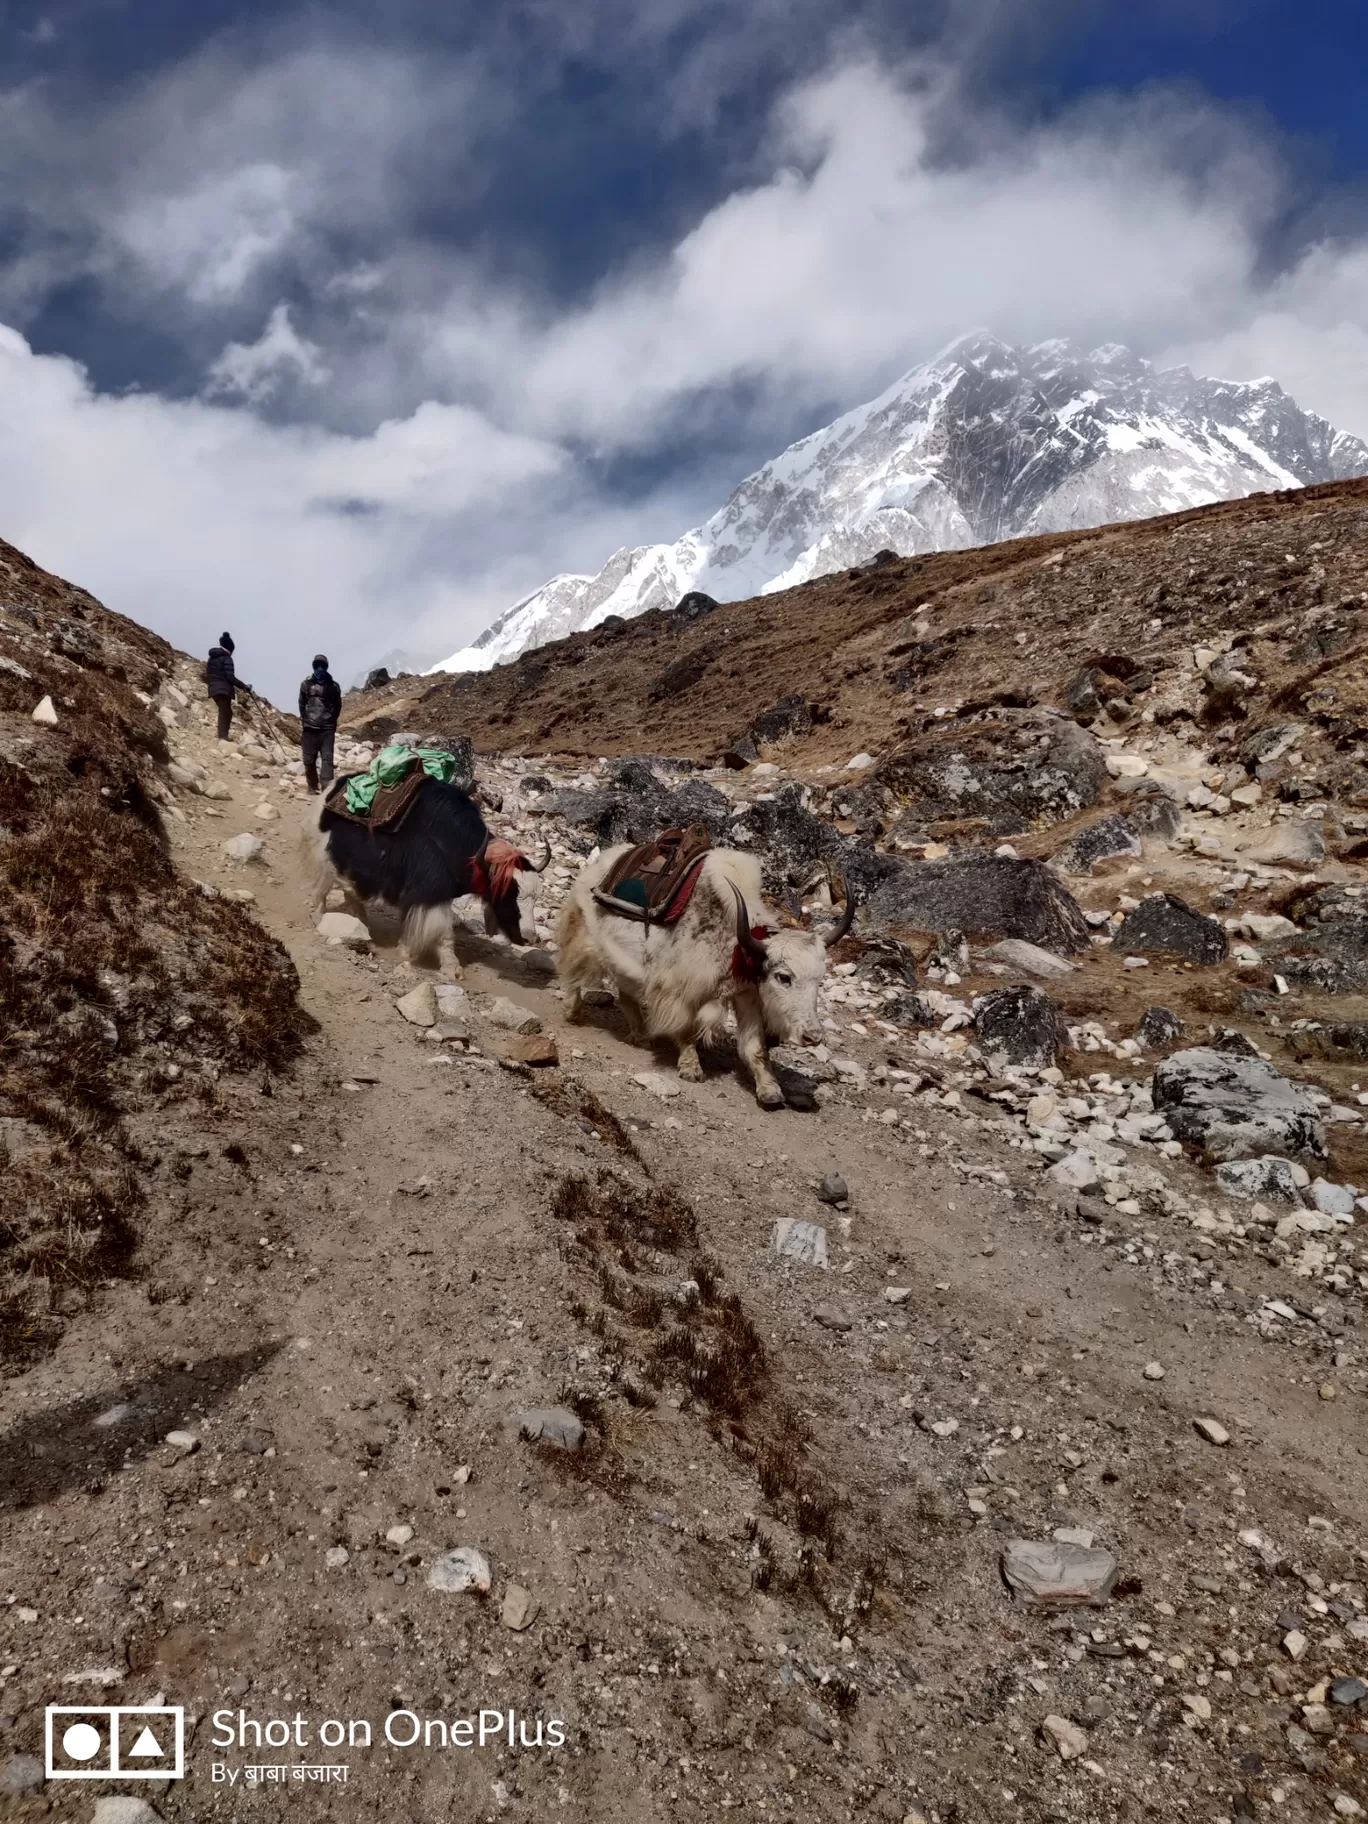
(769, 1095)
(690, 1070)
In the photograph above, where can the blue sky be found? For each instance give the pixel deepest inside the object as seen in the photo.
(347, 324)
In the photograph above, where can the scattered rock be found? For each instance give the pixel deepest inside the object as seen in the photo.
(376, 677)
(45, 714)
(833, 1189)
(1154, 1371)
(337, 1557)
(342, 928)
(459, 1571)
(1019, 1026)
(801, 1241)
(519, 1609)
(1164, 925)
(1212, 1430)
(419, 1005)
(534, 1049)
(120, 1808)
(512, 1017)
(665, 1089)
(453, 1003)
(244, 849)
(1295, 842)
(1068, 1738)
(1348, 1691)
(557, 1426)
(1048, 1573)
(1270, 1179)
(1076, 1171)
(399, 1536)
(1018, 954)
(1332, 1199)
(184, 1442)
(217, 790)
(22, 1773)
(831, 1317)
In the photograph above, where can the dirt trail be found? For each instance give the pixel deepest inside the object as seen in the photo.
(781, 1593)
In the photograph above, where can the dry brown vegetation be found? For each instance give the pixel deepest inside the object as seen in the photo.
(120, 980)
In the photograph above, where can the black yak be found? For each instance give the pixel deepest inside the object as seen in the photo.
(405, 878)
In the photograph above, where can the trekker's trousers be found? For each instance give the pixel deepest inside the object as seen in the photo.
(317, 746)
(224, 705)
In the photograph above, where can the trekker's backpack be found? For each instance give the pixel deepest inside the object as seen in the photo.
(317, 713)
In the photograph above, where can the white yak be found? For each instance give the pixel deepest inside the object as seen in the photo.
(676, 981)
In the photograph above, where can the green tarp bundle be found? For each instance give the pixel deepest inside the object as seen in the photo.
(391, 765)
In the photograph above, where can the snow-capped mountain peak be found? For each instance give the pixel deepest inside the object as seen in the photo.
(982, 443)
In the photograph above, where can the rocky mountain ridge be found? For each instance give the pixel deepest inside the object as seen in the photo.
(984, 443)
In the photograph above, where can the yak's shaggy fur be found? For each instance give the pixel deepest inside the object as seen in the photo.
(676, 982)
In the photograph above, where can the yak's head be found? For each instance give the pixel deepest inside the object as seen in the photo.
(788, 967)
(498, 884)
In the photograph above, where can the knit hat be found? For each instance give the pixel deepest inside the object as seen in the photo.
(226, 641)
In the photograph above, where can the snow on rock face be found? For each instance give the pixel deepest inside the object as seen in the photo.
(986, 442)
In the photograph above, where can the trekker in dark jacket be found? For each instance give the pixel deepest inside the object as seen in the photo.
(221, 680)
(320, 704)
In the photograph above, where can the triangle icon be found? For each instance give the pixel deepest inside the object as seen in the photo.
(146, 1745)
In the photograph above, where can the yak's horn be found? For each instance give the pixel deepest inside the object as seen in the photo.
(752, 946)
(847, 919)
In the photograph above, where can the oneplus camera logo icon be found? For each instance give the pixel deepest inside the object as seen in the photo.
(115, 1741)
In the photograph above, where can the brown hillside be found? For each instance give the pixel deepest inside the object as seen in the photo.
(875, 653)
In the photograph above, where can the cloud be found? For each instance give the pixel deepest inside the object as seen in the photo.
(253, 371)
(390, 431)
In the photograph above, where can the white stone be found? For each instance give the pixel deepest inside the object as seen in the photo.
(1333, 1199)
(1246, 794)
(858, 761)
(665, 1088)
(45, 714)
(1030, 957)
(514, 1018)
(419, 1005)
(1127, 766)
(336, 1557)
(801, 1241)
(1067, 1737)
(1265, 927)
(245, 848)
(266, 813)
(1212, 1430)
(216, 790)
(342, 928)
(184, 1441)
(399, 1535)
(122, 1808)
(458, 1571)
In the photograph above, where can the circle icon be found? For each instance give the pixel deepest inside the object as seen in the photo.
(81, 1742)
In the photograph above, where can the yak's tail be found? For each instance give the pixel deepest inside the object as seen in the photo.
(425, 929)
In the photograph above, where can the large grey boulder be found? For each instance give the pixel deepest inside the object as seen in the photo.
(1330, 953)
(1164, 925)
(1014, 768)
(992, 896)
(1106, 840)
(1270, 1179)
(1019, 1026)
(1236, 1108)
